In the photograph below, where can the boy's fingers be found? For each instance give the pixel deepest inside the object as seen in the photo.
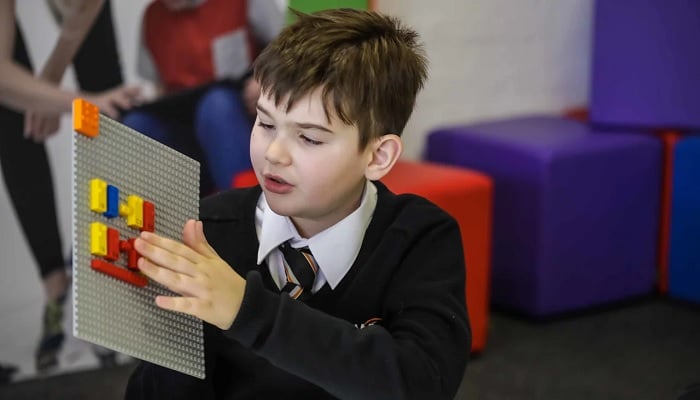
(200, 233)
(163, 258)
(187, 305)
(177, 282)
(193, 236)
(169, 245)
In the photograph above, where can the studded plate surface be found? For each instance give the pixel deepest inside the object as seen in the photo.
(107, 311)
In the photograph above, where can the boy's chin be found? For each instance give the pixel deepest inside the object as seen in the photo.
(282, 207)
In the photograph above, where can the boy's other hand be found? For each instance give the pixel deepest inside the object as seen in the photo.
(211, 290)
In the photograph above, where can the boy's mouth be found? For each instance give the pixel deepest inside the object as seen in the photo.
(275, 184)
(276, 179)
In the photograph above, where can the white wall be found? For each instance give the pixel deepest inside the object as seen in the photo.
(496, 58)
(488, 59)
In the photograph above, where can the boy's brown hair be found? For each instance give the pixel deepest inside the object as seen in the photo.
(369, 65)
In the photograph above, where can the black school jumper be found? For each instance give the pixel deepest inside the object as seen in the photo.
(409, 272)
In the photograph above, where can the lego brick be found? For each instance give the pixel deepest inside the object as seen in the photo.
(98, 195)
(132, 256)
(112, 244)
(86, 118)
(134, 211)
(112, 202)
(98, 239)
(149, 217)
(120, 273)
(111, 312)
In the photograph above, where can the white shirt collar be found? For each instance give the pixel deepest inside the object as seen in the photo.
(334, 249)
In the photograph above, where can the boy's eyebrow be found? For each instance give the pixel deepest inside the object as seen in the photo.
(303, 125)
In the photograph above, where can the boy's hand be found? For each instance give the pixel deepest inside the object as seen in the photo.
(211, 290)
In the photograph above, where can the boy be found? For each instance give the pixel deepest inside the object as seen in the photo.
(378, 312)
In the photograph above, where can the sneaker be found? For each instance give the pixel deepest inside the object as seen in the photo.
(52, 335)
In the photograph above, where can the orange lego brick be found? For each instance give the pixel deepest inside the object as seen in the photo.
(86, 118)
(122, 274)
(112, 244)
(149, 217)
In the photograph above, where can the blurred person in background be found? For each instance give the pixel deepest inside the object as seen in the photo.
(30, 110)
(198, 53)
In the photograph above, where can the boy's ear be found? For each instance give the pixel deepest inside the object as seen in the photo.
(385, 151)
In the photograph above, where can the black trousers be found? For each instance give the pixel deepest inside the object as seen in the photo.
(25, 165)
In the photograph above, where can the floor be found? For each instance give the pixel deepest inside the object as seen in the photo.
(645, 350)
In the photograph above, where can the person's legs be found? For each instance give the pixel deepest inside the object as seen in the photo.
(153, 126)
(223, 127)
(27, 173)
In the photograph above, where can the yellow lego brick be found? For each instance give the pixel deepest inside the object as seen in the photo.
(98, 195)
(135, 217)
(98, 239)
(86, 118)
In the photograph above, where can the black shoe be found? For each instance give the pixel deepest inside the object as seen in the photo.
(52, 336)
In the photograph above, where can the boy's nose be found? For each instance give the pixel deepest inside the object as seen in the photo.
(277, 152)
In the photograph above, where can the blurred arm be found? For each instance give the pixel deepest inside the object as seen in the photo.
(19, 89)
(78, 16)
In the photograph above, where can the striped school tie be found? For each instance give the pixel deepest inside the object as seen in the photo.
(300, 269)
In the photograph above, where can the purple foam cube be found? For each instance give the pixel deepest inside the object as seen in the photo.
(646, 61)
(576, 213)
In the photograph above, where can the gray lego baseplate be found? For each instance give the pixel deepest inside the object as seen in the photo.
(111, 312)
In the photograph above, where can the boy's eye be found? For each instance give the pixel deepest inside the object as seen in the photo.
(310, 141)
(265, 126)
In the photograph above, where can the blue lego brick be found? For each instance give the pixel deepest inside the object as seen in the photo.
(112, 202)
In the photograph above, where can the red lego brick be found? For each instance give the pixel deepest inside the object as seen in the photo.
(149, 217)
(125, 245)
(112, 244)
(122, 274)
(132, 256)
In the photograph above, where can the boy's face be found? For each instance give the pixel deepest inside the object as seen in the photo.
(310, 169)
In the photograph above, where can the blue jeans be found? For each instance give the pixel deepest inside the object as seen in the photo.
(217, 135)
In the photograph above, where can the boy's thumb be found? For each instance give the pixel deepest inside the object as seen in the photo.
(193, 236)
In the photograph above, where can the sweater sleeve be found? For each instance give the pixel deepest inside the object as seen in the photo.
(419, 351)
